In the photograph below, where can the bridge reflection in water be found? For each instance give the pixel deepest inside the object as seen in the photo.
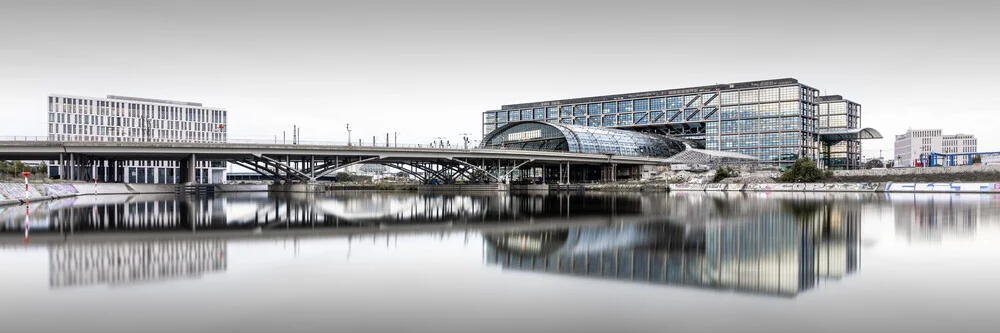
(778, 253)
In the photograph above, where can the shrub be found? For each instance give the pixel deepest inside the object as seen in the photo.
(723, 172)
(804, 170)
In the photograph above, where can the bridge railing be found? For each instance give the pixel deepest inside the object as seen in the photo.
(460, 147)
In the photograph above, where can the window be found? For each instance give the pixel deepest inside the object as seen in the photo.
(625, 106)
(490, 117)
(710, 99)
(709, 114)
(768, 95)
(566, 111)
(515, 115)
(609, 120)
(625, 119)
(594, 121)
(579, 110)
(609, 107)
(675, 102)
(729, 112)
(748, 96)
(657, 117)
(641, 118)
(673, 115)
(539, 113)
(691, 115)
(730, 97)
(640, 105)
(790, 93)
(657, 103)
(593, 109)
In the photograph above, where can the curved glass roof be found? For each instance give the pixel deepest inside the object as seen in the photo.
(850, 134)
(537, 135)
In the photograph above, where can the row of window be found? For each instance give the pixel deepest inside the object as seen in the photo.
(673, 115)
(143, 111)
(793, 93)
(762, 125)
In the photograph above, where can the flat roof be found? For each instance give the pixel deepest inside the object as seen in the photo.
(139, 100)
(655, 93)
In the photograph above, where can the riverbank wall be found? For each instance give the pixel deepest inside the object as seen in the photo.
(890, 187)
(15, 194)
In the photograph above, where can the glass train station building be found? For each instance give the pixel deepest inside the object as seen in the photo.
(774, 121)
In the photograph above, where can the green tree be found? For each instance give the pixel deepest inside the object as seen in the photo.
(723, 172)
(804, 170)
(19, 167)
(977, 159)
(874, 164)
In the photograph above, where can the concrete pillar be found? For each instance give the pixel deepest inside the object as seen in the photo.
(62, 167)
(188, 169)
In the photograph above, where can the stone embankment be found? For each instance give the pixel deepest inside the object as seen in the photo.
(14, 193)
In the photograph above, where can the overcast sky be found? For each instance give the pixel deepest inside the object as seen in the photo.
(429, 68)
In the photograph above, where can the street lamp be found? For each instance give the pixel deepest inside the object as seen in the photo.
(465, 137)
(348, 135)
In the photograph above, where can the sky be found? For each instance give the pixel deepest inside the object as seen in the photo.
(427, 69)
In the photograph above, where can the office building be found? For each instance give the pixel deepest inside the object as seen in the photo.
(775, 121)
(913, 147)
(131, 119)
(839, 114)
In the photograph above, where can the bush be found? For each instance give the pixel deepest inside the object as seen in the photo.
(804, 170)
(724, 172)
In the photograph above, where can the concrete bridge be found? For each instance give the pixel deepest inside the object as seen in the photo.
(298, 163)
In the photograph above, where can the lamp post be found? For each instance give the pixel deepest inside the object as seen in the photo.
(465, 137)
(348, 135)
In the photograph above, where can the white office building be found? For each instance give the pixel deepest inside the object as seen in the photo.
(131, 119)
(916, 144)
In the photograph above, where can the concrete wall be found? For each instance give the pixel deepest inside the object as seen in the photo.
(917, 171)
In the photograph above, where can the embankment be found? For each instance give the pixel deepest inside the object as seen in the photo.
(14, 193)
(901, 187)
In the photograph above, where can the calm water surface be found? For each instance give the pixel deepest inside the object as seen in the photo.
(385, 262)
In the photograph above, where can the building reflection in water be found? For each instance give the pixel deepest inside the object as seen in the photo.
(784, 252)
(930, 217)
(344, 210)
(120, 263)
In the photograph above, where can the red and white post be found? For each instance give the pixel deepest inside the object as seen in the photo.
(27, 194)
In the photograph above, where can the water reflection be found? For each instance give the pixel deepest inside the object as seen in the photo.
(122, 263)
(930, 217)
(783, 251)
(275, 211)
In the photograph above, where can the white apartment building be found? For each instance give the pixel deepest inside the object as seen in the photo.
(132, 119)
(910, 145)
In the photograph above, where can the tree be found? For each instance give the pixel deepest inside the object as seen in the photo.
(804, 170)
(874, 164)
(724, 172)
(19, 167)
(977, 159)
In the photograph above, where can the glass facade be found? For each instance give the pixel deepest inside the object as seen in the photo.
(776, 121)
(833, 113)
(581, 139)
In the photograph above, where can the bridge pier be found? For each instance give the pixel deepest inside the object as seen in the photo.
(188, 169)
